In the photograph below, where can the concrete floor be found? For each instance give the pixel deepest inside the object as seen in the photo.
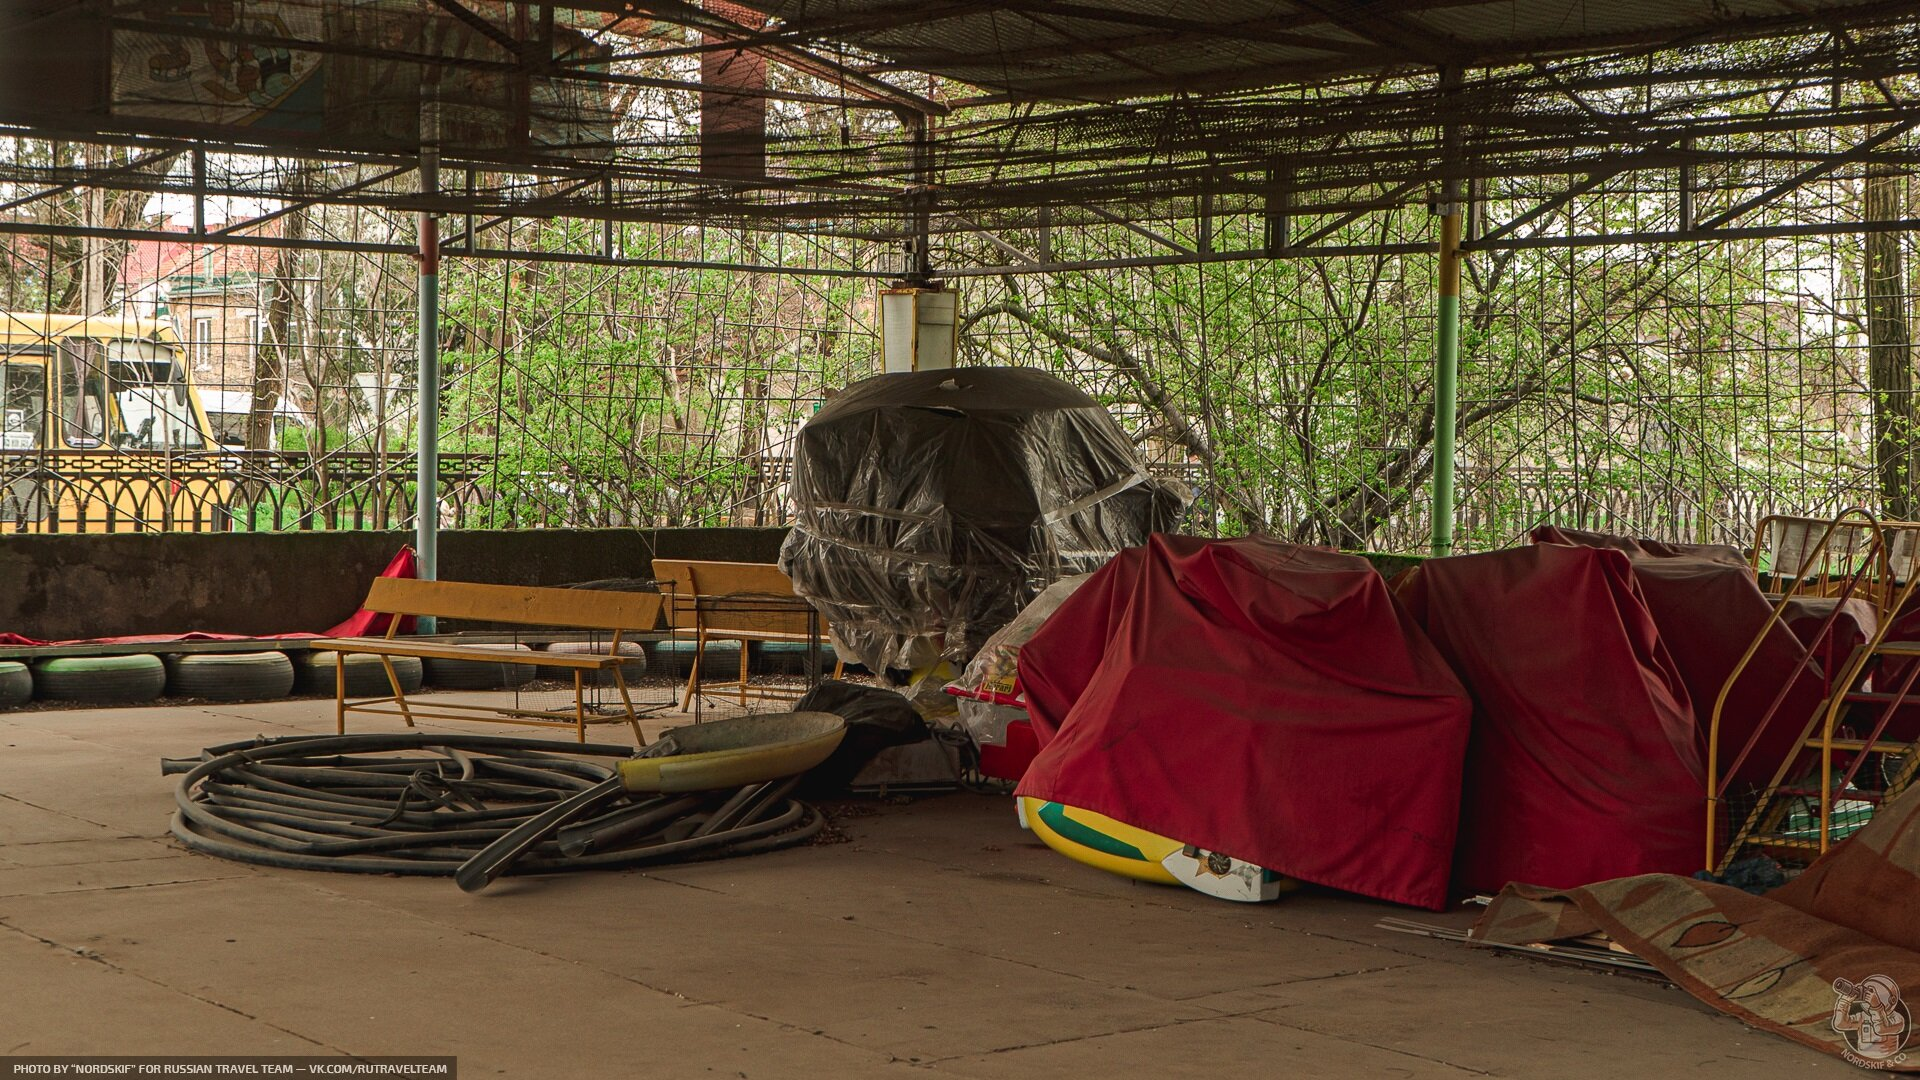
(940, 942)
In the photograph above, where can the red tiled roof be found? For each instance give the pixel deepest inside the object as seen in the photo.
(149, 261)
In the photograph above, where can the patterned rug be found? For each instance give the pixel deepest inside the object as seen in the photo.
(1822, 960)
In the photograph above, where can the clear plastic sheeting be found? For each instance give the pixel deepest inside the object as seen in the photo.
(994, 671)
(931, 507)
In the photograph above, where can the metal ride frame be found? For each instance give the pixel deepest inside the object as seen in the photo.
(1879, 563)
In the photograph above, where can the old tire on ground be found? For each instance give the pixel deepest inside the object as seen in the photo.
(16, 684)
(314, 674)
(105, 680)
(251, 676)
(632, 668)
(673, 658)
(792, 658)
(478, 674)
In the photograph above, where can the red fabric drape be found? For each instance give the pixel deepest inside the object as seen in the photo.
(1585, 762)
(1265, 700)
(1708, 607)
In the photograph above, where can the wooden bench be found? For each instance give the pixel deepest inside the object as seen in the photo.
(736, 601)
(586, 609)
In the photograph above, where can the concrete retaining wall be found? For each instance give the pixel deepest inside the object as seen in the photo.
(61, 587)
(265, 583)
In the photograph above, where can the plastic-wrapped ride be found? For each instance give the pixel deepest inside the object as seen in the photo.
(932, 506)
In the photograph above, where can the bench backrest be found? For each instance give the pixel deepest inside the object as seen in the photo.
(737, 597)
(593, 609)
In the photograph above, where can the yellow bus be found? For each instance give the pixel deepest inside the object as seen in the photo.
(101, 429)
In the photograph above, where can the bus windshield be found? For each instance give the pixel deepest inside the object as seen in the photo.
(151, 392)
(23, 403)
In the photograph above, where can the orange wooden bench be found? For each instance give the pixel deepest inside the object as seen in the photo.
(520, 605)
(736, 601)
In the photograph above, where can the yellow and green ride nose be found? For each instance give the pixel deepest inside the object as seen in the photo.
(1119, 848)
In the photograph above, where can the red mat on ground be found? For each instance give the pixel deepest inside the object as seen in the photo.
(1265, 700)
(361, 623)
(1585, 762)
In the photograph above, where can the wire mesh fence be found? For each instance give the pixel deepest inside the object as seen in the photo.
(1675, 390)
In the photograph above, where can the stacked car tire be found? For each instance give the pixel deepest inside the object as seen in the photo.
(241, 676)
(100, 680)
(479, 674)
(316, 672)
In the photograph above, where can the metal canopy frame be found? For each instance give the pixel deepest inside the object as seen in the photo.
(1074, 113)
(1703, 96)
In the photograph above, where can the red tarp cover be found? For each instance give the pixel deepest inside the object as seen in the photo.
(1637, 547)
(1585, 763)
(1708, 607)
(1268, 701)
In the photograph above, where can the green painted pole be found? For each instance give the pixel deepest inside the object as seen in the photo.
(1446, 380)
(426, 516)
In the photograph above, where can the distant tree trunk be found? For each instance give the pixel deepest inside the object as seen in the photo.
(753, 450)
(753, 410)
(1889, 344)
(270, 351)
(93, 286)
(94, 289)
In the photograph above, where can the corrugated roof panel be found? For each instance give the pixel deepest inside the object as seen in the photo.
(1113, 49)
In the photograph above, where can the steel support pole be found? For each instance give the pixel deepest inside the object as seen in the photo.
(426, 517)
(1446, 363)
(1446, 379)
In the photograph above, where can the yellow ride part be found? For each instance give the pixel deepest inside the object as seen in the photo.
(1100, 841)
(1119, 848)
(733, 753)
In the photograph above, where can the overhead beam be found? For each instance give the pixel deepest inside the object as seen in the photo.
(93, 179)
(1860, 150)
(1158, 238)
(373, 247)
(1011, 252)
(1391, 198)
(303, 204)
(1023, 267)
(478, 23)
(1676, 236)
(1163, 32)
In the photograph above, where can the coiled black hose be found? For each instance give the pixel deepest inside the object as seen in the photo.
(347, 803)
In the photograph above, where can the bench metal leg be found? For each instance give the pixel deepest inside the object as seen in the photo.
(693, 674)
(340, 693)
(633, 719)
(399, 695)
(579, 703)
(743, 673)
